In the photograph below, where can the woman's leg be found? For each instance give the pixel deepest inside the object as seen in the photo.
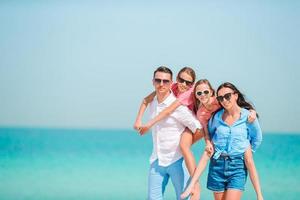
(253, 173)
(233, 194)
(228, 195)
(219, 195)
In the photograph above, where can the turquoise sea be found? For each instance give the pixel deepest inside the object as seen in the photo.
(41, 164)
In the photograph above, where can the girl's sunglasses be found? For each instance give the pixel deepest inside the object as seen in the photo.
(181, 80)
(204, 92)
(226, 96)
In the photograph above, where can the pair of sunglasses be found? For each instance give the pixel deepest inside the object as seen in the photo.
(181, 80)
(226, 96)
(159, 81)
(204, 92)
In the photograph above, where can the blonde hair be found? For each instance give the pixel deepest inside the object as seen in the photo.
(189, 71)
(197, 102)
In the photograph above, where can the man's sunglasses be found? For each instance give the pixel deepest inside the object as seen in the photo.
(181, 80)
(164, 81)
(205, 92)
(226, 96)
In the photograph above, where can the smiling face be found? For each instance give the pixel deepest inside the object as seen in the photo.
(162, 83)
(185, 81)
(227, 98)
(203, 93)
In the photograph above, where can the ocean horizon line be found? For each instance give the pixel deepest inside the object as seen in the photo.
(59, 128)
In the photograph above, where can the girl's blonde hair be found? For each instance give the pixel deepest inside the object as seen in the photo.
(197, 102)
(189, 71)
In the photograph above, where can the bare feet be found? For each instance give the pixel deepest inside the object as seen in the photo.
(187, 192)
(260, 197)
(196, 192)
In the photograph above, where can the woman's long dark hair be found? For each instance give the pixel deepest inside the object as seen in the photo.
(241, 98)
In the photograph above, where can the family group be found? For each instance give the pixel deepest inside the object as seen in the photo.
(182, 113)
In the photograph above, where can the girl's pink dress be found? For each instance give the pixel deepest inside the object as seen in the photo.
(203, 114)
(185, 98)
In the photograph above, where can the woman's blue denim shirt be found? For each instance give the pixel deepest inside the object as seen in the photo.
(235, 139)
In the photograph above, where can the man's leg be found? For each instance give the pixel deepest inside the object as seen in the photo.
(179, 176)
(157, 181)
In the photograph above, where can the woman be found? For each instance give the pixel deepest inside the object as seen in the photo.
(206, 104)
(231, 135)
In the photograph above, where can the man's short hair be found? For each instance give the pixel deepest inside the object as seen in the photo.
(163, 69)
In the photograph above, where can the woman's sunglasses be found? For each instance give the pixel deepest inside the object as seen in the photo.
(181, 80)
(226, 96)
(204, 92)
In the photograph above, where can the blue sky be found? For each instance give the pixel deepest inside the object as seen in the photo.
(87, 64)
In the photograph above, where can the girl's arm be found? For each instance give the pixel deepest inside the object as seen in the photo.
(255, 134)
(253, 173)
(144, 104)
(209, 147)
(199, 170)
(166, 112)
(252, 116)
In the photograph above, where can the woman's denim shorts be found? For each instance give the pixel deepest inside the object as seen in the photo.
(227, 172)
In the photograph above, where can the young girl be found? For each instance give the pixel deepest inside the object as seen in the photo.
(183, 90)
(206, 104)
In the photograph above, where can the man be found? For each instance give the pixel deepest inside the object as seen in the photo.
(166, 159)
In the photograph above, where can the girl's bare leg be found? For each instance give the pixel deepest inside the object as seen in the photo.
(199, 170)
(197, 136)
(187, 139)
